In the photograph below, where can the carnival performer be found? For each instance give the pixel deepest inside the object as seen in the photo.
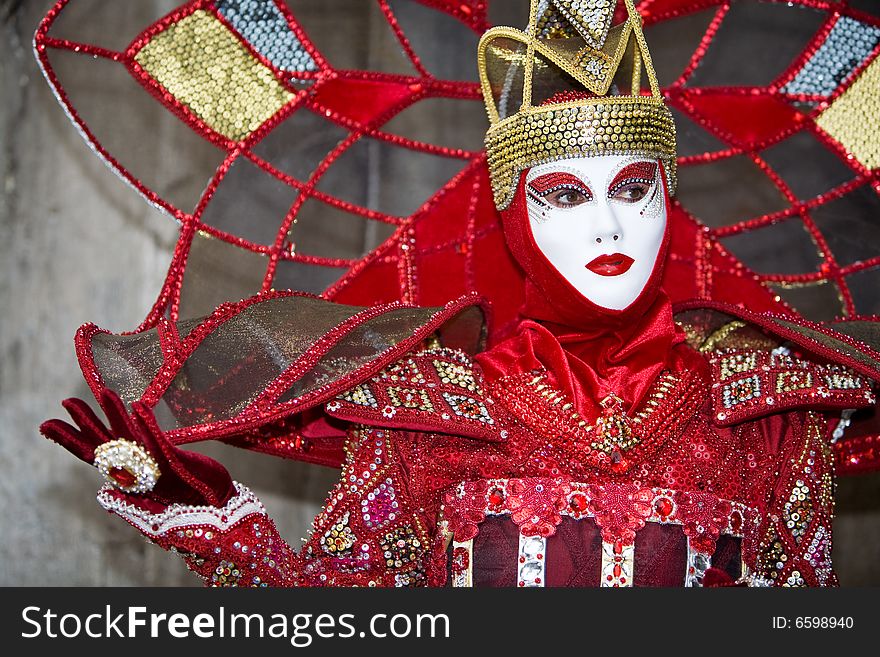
(607, 442)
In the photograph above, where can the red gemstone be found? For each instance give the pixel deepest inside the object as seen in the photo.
(663, 506)
(617, 570)
(578, 502)
(736, 522)
(122, 477)
(496, 497)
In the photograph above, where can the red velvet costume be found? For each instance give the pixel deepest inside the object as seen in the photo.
(591, 448)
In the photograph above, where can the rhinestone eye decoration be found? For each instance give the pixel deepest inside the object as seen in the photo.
(125, 465)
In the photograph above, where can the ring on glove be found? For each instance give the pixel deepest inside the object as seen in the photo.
(127, 466)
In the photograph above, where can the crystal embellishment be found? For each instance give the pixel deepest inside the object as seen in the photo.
(360, 395)
(848, 45)
(530, 569)
(266, 29)
(591, 18)
(127, 466)
(469, 408)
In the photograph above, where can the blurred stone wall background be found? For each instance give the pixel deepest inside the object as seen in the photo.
(80, 246)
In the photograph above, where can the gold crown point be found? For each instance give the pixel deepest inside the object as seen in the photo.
(592, 19)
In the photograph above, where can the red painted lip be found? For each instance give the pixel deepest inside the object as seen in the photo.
(610, 265)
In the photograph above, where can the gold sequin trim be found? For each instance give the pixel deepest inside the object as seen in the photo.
(208, 70)
(854, 118)
(720, 335)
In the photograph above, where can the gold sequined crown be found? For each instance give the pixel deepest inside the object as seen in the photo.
(570, 85)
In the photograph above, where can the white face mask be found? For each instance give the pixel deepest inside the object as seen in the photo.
(600, 221)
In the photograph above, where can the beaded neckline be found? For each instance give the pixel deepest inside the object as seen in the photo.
(613, 439)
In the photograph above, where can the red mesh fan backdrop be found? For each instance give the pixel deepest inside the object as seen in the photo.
(291, 119)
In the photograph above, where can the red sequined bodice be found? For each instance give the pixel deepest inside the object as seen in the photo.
(655, 498)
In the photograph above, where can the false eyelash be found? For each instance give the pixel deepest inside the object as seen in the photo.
(637, 172)
(534, 197)
(545, 185)
(629, 181)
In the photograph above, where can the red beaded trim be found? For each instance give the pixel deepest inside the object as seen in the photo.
(402, 91)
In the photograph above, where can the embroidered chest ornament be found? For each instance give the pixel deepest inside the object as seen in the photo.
(615, 431)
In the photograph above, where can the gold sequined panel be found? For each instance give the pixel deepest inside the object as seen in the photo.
(710, 330)
(854, 118)
(553, 24)
(208, 70)
(623, 125)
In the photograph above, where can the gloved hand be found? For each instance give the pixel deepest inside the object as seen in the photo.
(136, 456)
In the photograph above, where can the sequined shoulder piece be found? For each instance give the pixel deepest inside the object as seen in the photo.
(252, 372)
(435, 390)
(750, 383)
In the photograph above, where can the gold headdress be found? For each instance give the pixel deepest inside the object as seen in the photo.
(570, 86)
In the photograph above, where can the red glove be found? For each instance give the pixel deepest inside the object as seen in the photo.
(183, 477)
